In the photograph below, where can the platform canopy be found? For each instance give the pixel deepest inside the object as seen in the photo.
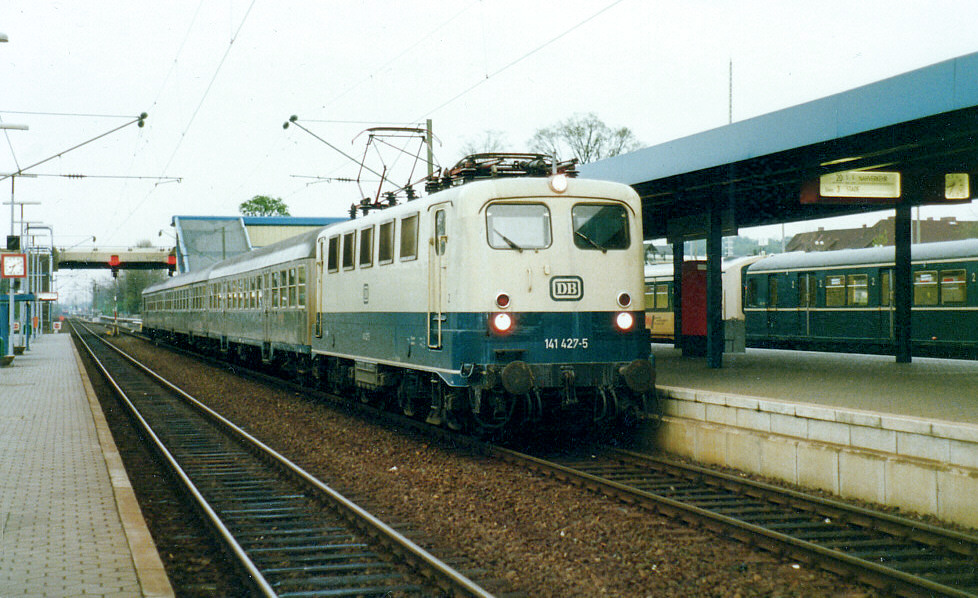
(922, 124)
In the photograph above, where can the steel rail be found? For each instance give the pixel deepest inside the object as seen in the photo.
(881, 576)
(239, 554)
(423, 562)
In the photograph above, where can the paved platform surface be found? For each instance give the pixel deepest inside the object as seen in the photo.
(941, 389)
(69, 522)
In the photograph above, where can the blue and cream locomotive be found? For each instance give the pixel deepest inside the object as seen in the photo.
(497, 303)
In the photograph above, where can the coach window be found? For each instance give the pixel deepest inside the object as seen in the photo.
(857, 291)
(953, 286)
(366, 247)
(385, 243)
(601, 227)
(409, 237)
(835, 291)
(293, 288)
(750, 292)
(302, 286)
(333, 254)
(772, 290)
(518, 226)
(650, 296)
(276, 297)
(662, 296)
(348, 240)
(925, 288)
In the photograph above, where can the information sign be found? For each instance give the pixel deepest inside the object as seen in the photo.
(860, 183)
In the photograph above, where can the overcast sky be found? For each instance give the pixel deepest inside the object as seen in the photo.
(219, 78)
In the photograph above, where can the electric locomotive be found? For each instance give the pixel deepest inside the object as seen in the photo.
(509, 296)
(493, 303)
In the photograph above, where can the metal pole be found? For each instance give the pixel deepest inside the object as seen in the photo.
(10, 281)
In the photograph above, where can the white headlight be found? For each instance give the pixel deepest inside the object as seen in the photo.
(624, 321)
(558, 183)
(502, 323)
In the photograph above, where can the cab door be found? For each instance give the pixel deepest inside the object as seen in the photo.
(437, 248)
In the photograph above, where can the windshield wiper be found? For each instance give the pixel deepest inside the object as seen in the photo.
(590, 240)
(508, 241)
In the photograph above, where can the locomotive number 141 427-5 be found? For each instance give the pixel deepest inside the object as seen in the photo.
(565, 343)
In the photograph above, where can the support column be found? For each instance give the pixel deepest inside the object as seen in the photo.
(714, 292)
(902, 286)
(678, 256)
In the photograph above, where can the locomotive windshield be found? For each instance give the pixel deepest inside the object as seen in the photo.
(601, 227)
(518, 226)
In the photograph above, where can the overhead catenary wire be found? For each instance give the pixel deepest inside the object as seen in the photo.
(193, 116)
(519, 60)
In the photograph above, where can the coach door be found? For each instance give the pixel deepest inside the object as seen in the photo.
(806, 301)
(886, 303)
(436, 277)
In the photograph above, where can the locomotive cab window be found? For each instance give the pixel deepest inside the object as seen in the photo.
(600, 227)
(518, 226)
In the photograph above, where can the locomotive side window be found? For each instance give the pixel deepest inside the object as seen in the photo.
(333, 254)
(925, 288)
(518, 226)
(348, 240)
(409, 237)
(366, 247)
(953, 286)
(857, 291)
(601, 227)
(835, 291)
(385, 243)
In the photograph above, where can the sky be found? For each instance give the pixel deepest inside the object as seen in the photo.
(219, 78)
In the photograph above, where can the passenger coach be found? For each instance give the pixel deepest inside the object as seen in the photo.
(843, 300)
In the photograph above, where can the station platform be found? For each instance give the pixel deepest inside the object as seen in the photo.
(942, 389)
(69, 521)
(859, 426)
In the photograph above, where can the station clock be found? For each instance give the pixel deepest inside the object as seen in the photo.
(13, 265)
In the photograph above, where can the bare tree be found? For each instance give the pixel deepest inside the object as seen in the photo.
(489, 142)
(585, 137)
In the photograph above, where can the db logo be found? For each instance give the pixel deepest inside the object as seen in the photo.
(566, 288)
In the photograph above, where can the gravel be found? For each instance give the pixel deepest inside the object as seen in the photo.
(545, 537)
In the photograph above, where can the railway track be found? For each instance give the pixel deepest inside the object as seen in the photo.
(288, 533)
(894, 554)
